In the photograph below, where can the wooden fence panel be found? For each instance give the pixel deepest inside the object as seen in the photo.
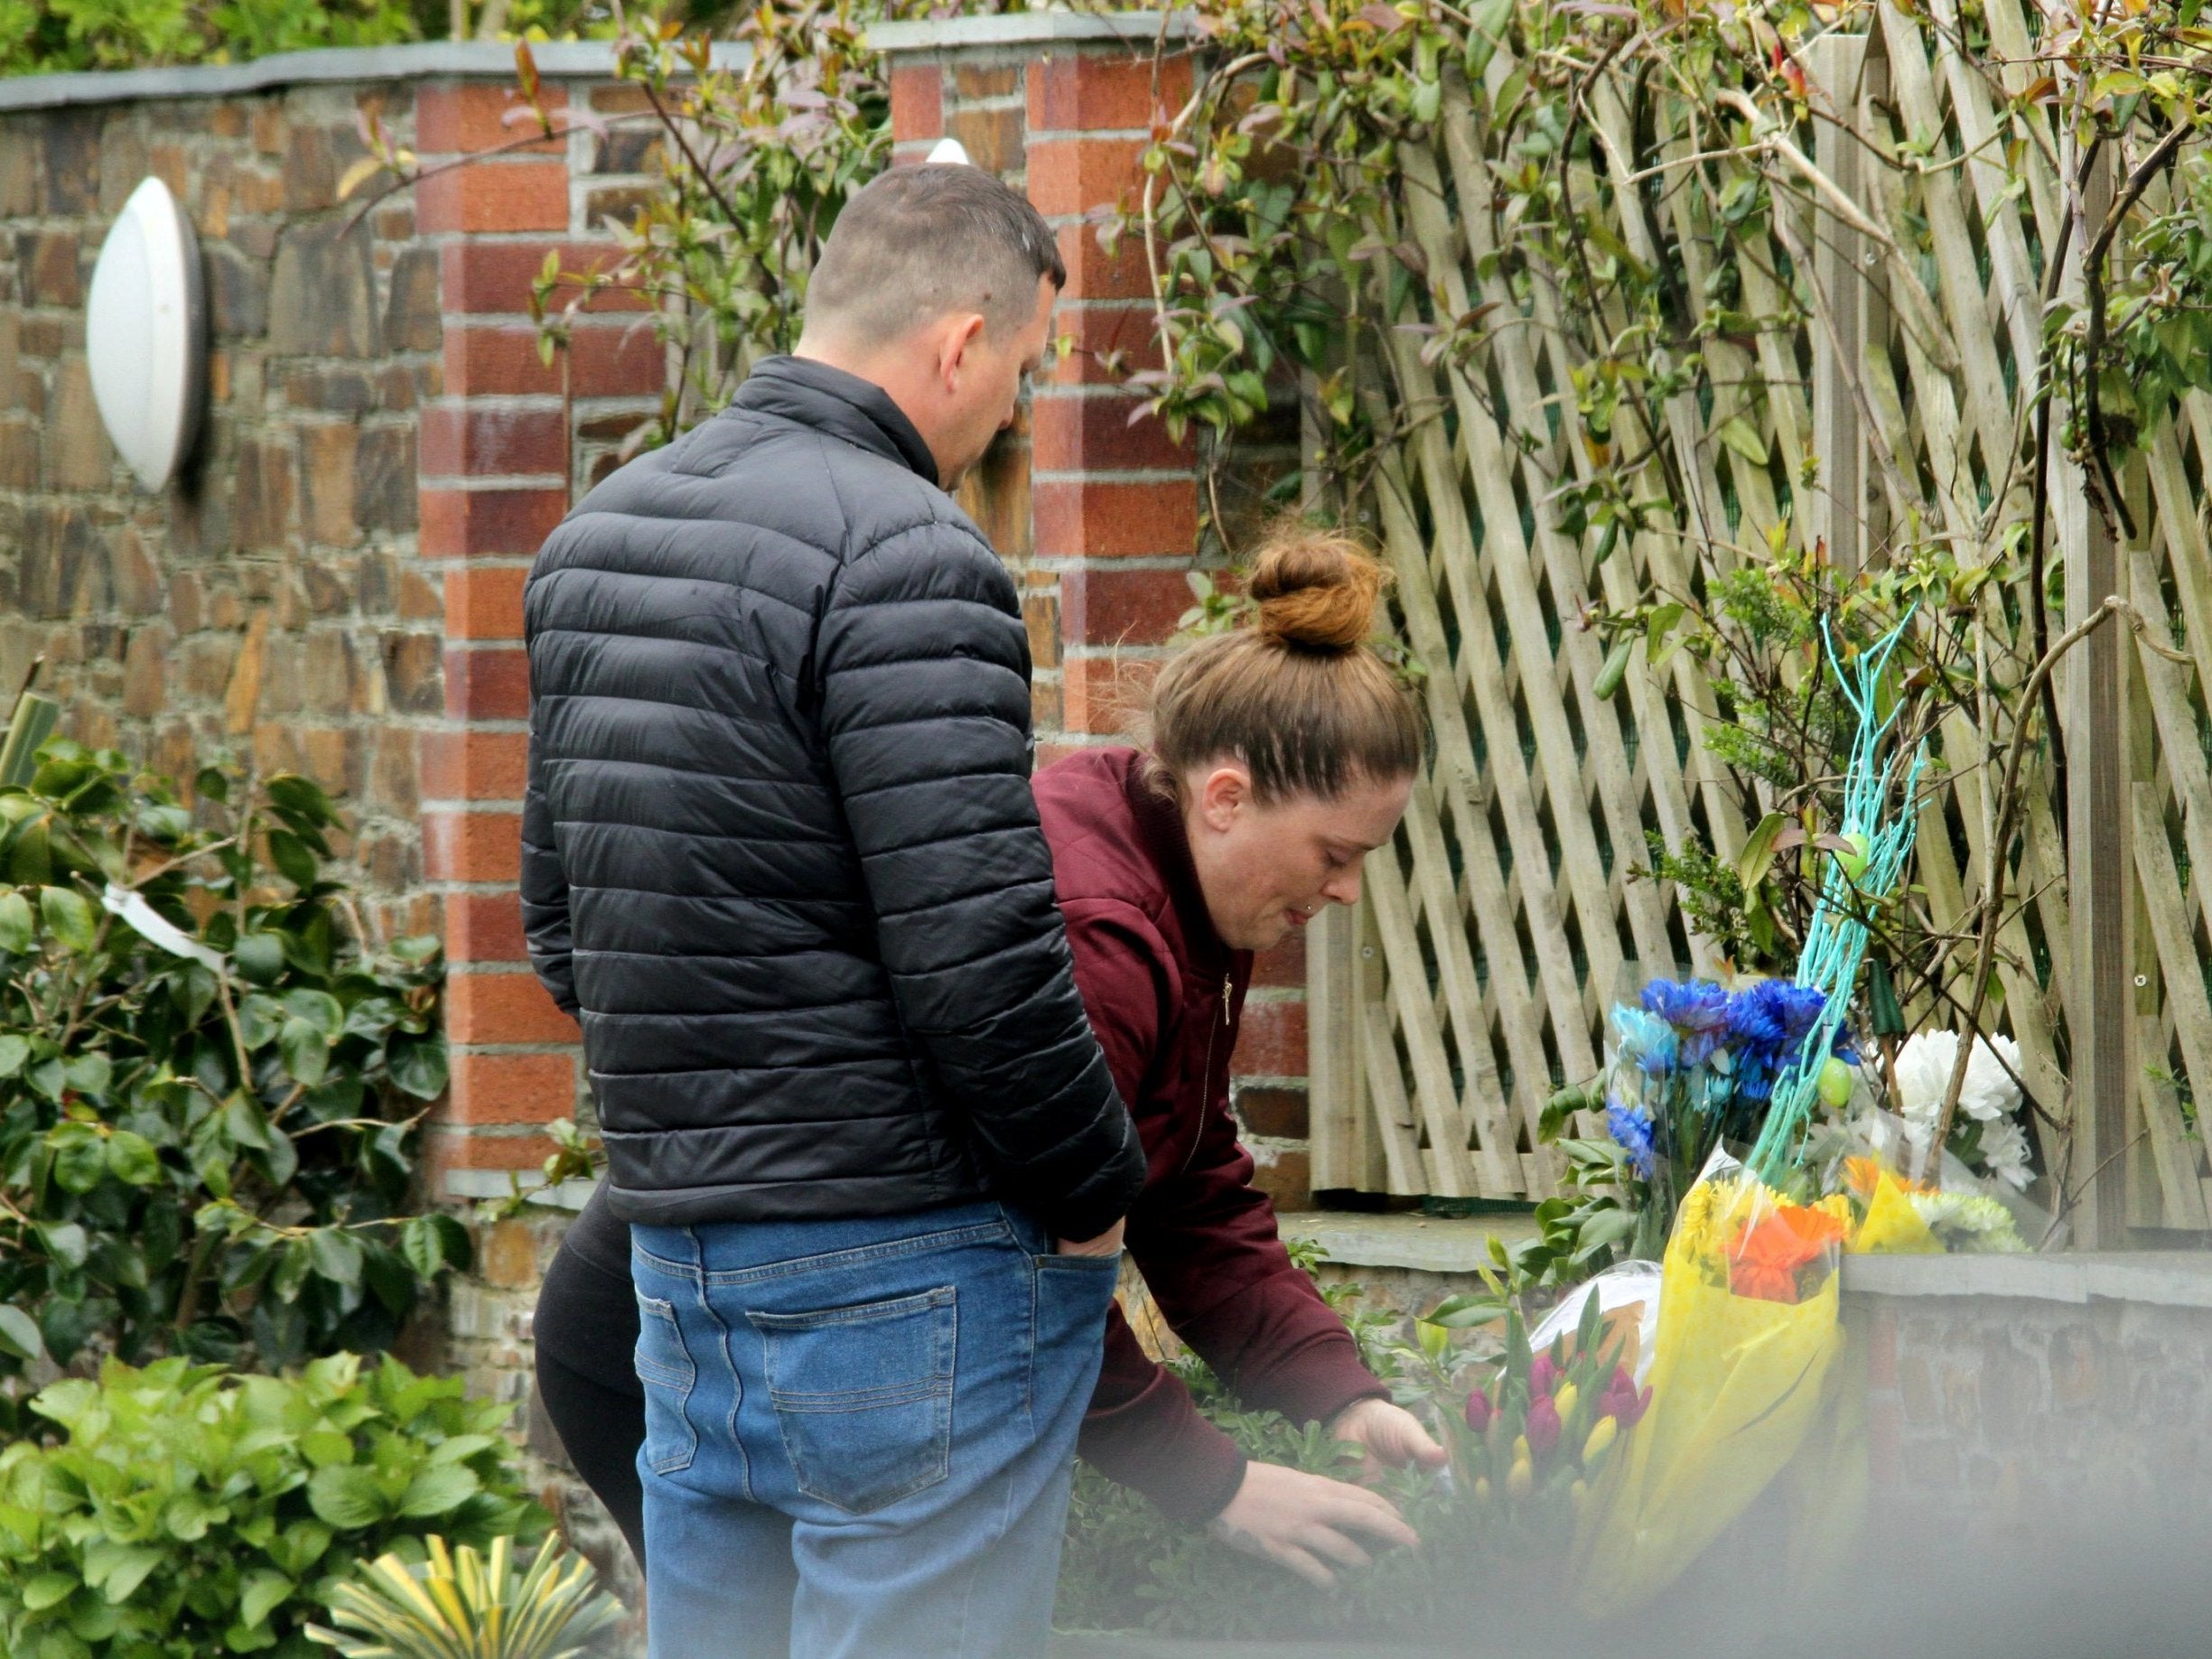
(1505, 919)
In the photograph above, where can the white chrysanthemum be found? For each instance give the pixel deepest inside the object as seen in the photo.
(1969, 1223)
(2005, 1145)
(1989, 1092)
(1924, 1066)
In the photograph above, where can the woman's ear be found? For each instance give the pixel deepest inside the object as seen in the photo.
(1224, 793)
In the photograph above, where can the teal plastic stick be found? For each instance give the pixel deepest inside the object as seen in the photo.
(1835, 943)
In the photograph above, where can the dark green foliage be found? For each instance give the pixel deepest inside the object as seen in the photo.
(42, 37)
(209, 1094)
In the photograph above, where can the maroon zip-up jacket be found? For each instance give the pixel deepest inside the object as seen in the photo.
(1165, 995)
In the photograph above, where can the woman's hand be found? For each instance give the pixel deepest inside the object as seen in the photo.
(1308, 1524)
(1389, 1434)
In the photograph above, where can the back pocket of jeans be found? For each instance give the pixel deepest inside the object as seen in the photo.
(863, 1396)
(665, 1367)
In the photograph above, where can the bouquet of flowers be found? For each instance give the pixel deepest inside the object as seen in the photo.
(1539, 1428)
(1694, 1066)
(1748, 1331)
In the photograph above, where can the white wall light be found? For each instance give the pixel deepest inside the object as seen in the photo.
(950, 151)
(145, 334)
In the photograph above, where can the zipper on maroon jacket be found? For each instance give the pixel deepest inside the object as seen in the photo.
(1205, 1082)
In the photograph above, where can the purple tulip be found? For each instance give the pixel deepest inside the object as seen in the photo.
(1621, 1399)
(1543, 1430)
(1542, 1376)
(1480, 1411)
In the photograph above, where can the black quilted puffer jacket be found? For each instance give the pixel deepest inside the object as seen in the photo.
(780, 854)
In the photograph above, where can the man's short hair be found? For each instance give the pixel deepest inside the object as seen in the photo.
(922, 242)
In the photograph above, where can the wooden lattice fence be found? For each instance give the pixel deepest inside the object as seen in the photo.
(1891, 385)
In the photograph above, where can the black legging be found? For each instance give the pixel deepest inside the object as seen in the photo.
(586, 1333)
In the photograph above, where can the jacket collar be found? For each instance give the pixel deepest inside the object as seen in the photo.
(842, 405)
(1158, 819)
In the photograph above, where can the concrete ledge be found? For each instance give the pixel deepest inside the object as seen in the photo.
(1029, 29)
(493, 1184)
(2168, 1279)
(417, 60)
(1422, 1242)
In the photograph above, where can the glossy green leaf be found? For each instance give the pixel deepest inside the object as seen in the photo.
(346, 1496)
(260, 958)
(336, 1255)
(68, 917)
(18, 932)
(419, 1068)
(48, 1590)
(261, 1594)
(439, 1489)
(19, 1334)
(132, 1158)
(306, 1051)
(292, 859)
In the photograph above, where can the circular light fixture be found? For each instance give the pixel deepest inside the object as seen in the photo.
(145, 334)
(950, 151)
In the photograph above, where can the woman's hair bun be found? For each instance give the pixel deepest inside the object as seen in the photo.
(1315, 590)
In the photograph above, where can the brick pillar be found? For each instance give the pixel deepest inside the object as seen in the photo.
(501, 450)
(1095, 512)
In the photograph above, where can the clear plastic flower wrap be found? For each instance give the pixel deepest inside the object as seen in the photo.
(1748, 1334)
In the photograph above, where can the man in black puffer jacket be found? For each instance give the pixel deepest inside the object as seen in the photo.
(781, 859)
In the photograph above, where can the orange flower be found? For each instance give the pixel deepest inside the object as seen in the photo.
(1862, 1175)
(1765, 1258)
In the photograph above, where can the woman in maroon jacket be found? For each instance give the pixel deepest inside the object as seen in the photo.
(1279, 755)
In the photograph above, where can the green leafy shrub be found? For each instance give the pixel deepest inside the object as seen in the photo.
(188, 1511)
(210, 1093)
(40, 37)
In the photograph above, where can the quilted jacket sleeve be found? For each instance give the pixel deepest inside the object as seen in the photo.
(922, 666)
(545, 893)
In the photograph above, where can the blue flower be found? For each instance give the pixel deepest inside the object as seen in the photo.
(1647, 1042)
(1632, 1130)
(1773, 1016)
(1697, 1009)
(1691, 1005)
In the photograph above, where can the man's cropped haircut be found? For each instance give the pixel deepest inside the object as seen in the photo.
(921, 243)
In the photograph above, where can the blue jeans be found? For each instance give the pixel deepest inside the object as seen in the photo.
(860, 1434)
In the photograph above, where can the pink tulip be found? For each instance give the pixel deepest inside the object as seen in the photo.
(1480, 1411)
(1542, 1376)
(1543, 1430)
(1621, 1400)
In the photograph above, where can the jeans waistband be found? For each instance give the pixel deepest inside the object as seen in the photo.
(745, 1251)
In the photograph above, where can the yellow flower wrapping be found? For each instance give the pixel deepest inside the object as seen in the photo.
(1735, 1381)
(1892, 1227)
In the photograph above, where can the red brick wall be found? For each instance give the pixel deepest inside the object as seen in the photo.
(505, 449)
(1092, 503)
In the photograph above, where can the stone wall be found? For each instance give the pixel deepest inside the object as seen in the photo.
(274, 602)
(2003, 1411)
